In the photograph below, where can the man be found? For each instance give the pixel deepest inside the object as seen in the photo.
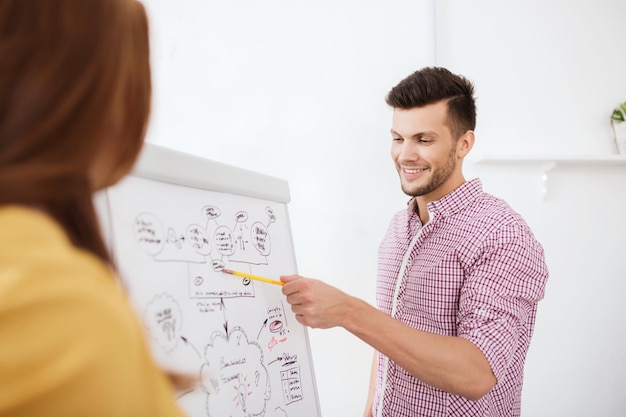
(459, 277)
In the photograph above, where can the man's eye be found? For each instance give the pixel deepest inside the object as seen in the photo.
(396, 139)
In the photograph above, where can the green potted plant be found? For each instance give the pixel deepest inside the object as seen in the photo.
(618, 126)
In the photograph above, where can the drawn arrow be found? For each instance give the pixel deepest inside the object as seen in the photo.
(262, 327)
(192, 346)
(223, 307)
(278, 359)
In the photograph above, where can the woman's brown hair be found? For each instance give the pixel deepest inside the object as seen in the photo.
(75, 94)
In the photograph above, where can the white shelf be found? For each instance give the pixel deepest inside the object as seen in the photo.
(548, 162)
(552, 159)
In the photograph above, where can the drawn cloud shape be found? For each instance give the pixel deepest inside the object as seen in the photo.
(234, 376)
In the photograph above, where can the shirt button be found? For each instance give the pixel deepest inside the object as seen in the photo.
(409, 263)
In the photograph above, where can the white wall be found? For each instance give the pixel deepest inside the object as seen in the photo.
(548, 74)
(296, 90)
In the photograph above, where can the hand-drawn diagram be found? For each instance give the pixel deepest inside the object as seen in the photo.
(249, 352)
(240, 243)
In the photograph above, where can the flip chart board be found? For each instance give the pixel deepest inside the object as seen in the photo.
(173, 224)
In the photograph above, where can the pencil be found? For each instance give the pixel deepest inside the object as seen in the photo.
(250, 276)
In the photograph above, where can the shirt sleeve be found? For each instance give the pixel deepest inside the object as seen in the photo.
(499, 299)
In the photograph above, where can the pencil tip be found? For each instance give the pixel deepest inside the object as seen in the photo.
(227, 271)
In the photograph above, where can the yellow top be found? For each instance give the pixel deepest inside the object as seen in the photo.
(70, 344)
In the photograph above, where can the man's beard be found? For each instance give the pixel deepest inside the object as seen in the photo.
(438, 177)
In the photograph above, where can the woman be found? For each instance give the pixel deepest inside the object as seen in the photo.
(74, 102)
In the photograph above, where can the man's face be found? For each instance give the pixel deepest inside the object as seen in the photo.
(424, 152)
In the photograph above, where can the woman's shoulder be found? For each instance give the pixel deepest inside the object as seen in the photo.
(37, 259)
(69, 322)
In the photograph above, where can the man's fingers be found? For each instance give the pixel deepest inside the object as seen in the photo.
(288, 278)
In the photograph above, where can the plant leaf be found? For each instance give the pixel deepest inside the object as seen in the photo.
(617, 115)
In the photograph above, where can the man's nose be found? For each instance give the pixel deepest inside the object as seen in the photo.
(408, 152)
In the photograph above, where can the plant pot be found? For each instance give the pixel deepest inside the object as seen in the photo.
(619, 135)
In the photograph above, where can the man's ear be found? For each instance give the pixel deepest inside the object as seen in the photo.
(465, 144)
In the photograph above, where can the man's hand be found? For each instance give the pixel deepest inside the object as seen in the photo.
(315, 303)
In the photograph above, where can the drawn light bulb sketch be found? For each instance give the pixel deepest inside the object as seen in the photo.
(171, 238)
(163, 319)
(251, 242)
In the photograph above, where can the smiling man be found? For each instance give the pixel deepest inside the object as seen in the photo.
(460, 273)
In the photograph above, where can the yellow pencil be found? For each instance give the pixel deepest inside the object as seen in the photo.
(250, 276)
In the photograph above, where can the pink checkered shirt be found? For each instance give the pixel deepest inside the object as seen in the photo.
(474, 271)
